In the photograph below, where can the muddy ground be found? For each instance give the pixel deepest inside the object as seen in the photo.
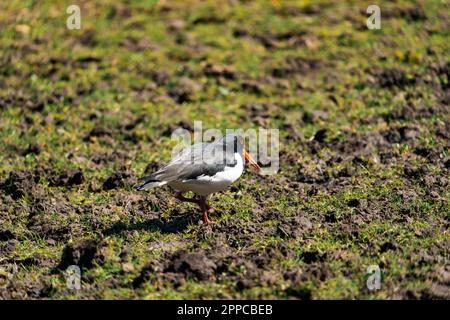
(364, 139)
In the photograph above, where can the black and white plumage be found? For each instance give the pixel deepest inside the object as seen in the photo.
(203, 168)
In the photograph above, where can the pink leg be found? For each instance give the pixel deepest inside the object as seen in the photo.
(205, 208)
(201, 202)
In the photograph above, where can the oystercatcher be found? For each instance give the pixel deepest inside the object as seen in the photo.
(203, 168)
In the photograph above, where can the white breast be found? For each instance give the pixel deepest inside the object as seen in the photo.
(205, 185)
(231, 173)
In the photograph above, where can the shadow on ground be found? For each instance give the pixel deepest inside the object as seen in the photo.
(176, 225)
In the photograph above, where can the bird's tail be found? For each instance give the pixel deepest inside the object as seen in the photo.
(149, 182)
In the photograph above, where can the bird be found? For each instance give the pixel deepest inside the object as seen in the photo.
(203, 168)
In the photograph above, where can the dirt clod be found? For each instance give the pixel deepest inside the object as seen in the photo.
(21, 183)
(394, 77)
(82, 254)
(67, 178)
(195, 265)
(120, 179)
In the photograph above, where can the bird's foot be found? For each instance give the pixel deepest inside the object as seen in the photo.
(205, 219)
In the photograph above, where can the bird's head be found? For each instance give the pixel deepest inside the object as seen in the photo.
(237, 144)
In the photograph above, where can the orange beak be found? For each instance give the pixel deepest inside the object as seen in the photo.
(252, 161)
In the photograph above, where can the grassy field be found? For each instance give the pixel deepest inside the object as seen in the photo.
(364, 149)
